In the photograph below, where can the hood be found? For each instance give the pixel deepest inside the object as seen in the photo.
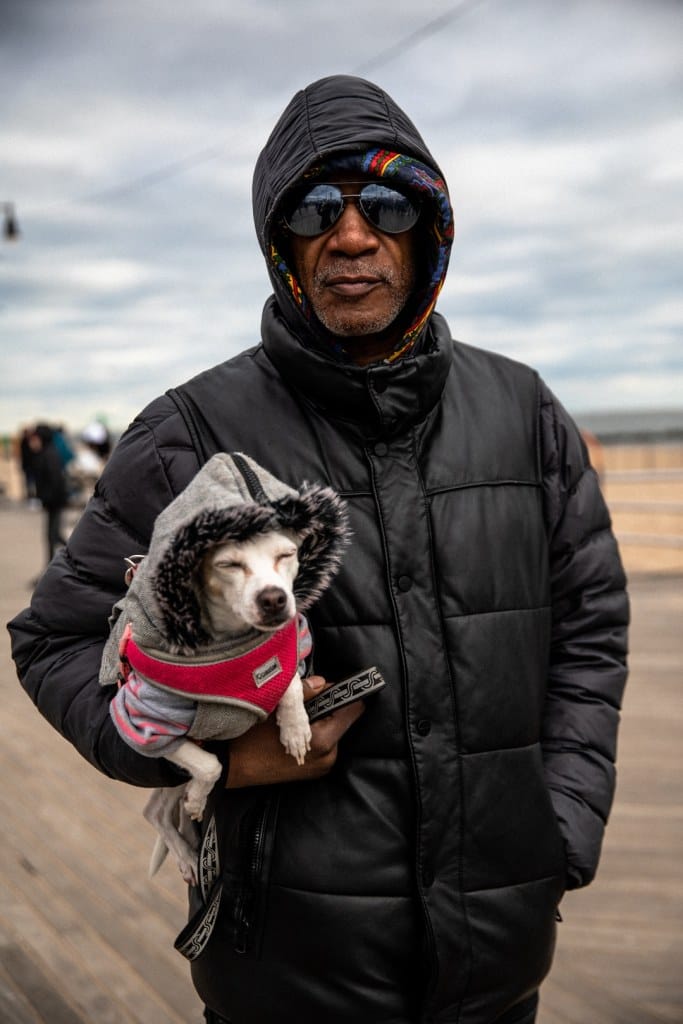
(347, 123)
(233, 498)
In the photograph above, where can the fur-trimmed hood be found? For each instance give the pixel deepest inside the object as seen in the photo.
(230, 498)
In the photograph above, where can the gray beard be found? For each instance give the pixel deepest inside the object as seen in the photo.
(347, 325)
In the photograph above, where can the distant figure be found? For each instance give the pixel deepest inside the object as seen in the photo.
(26, 461)
(50, 483)
(63, 445)
(93, 448)
(96, 436)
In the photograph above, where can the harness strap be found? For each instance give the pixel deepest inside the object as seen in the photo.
(260, 676)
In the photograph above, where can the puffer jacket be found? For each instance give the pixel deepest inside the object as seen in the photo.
(419, 880)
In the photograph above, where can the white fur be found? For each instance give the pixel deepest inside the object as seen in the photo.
(241, 585)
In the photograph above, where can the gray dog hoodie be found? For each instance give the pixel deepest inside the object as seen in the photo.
(175, 681)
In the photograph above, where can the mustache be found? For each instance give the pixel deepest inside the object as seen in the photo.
(361, 267)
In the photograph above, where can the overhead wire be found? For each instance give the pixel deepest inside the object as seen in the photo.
(208, 153)
(151, 178)
(429, 29)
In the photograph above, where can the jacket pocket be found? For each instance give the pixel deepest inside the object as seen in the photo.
(227, 908)
(246, 880)
(513, 835)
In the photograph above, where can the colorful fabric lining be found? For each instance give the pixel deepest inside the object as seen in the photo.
(418, 177)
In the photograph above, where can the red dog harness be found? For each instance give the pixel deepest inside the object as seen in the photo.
(258, 677)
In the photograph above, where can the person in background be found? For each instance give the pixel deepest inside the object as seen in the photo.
(63, 445)
(50, 483)
(411, 870)
(25, 458)
(92, 449)
(98, 439)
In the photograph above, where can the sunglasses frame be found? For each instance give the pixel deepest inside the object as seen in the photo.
(357, 196)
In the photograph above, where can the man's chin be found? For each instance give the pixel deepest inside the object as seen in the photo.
(360, 325)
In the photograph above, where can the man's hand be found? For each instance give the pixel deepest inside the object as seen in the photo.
(257, 758)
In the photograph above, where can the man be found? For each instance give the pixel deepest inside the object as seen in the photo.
(412, 868)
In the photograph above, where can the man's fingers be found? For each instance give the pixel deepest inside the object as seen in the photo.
(327, 732)
(313, 685)
(257, 757)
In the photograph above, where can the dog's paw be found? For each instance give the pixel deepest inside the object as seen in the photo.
(194, 801)
(205, 774)
(188, 869)
(294, 726)
(297, 740)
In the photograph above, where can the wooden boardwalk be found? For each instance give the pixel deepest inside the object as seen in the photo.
(85, 938)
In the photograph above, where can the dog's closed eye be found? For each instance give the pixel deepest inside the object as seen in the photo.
(225, 564)
(234, 565)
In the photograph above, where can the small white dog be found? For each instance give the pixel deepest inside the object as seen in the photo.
(241, 586)
(210, 635)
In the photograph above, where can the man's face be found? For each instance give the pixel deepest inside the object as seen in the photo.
(356, 277)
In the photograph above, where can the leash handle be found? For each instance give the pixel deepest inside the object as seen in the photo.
(347, 691)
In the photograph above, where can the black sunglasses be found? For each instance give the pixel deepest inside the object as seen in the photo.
(383, 207)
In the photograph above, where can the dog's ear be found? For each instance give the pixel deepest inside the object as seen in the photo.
(177, 594)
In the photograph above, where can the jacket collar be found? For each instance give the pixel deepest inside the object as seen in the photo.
(377, 401)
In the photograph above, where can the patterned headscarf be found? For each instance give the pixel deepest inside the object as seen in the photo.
(418, 177)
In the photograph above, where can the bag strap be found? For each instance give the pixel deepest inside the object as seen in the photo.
(188, 416)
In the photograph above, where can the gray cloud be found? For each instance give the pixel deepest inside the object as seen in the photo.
(129, 133)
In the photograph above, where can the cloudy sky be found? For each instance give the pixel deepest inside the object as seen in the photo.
(128, 134)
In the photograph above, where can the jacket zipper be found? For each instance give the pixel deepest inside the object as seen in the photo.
(246, 900)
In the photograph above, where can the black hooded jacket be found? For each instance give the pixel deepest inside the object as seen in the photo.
(419, 880)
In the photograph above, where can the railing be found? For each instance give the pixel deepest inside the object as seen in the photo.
(646, 505)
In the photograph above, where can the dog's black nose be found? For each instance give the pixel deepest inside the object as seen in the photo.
(271, 600)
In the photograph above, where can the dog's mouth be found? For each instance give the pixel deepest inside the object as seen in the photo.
(271, 621)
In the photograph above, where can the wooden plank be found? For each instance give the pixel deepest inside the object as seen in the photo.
(621, 944)
(136, 960)
(585, 999)
(39, 987)
(91, 974)
(14, 1006)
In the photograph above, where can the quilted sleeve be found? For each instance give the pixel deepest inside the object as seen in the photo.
(587, 670)
(57, 642)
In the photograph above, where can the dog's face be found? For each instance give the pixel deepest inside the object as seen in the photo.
(249, 584)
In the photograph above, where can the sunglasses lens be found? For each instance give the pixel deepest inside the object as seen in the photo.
(383, 207)
(317, 211)
(387, 209)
